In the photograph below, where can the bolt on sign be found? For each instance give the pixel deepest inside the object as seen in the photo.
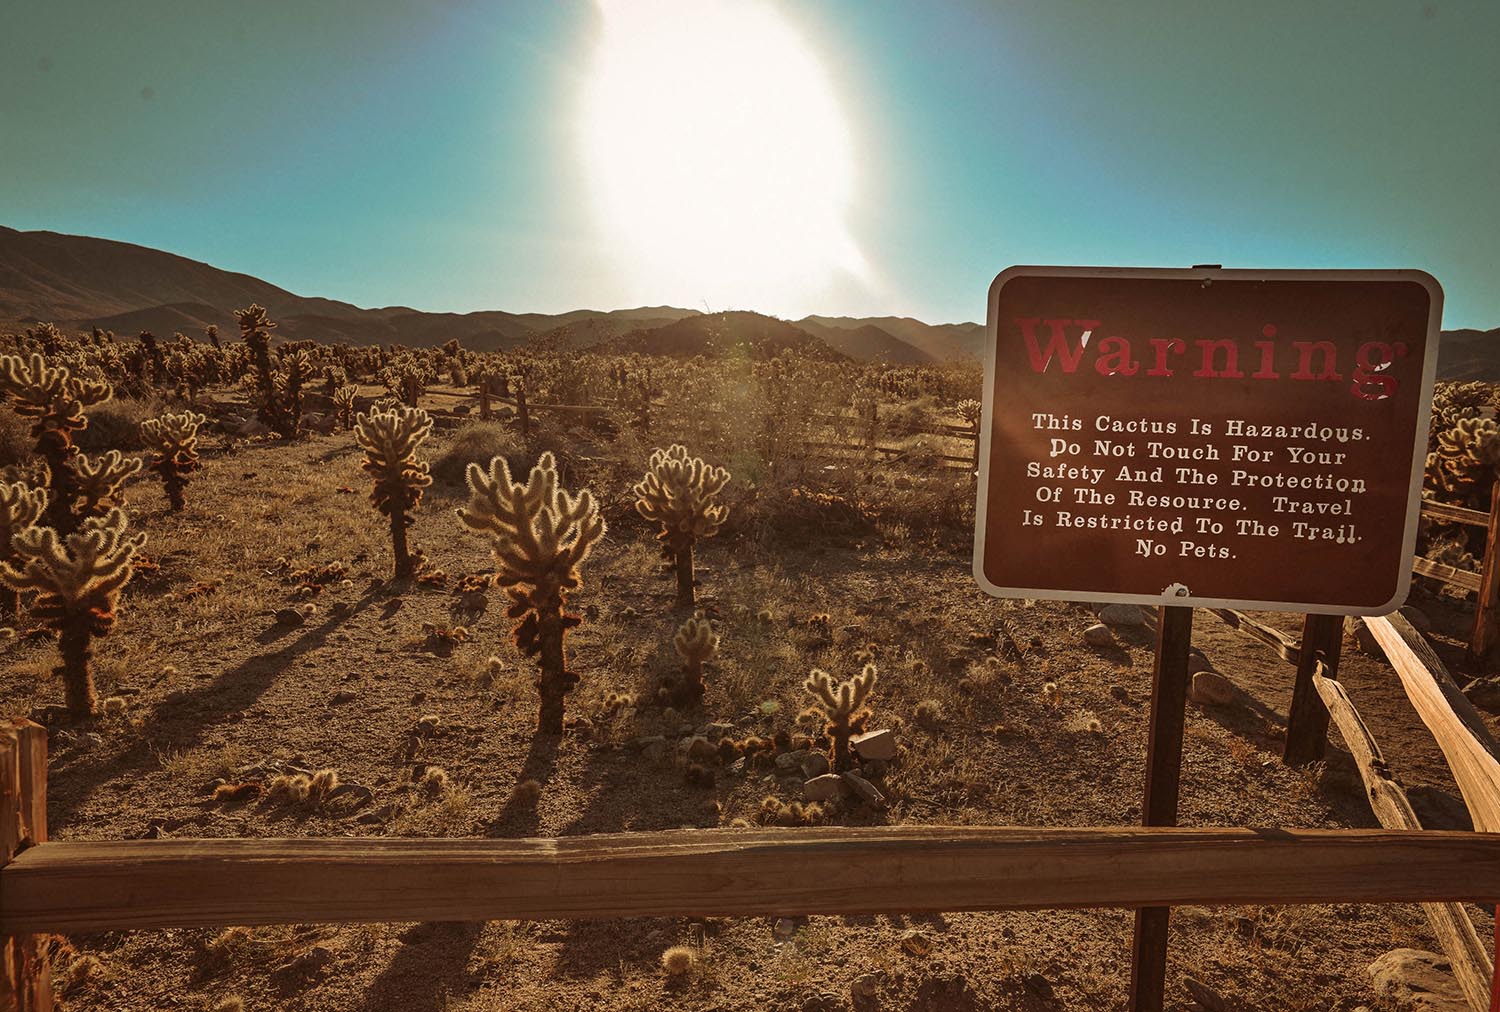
(1205, 437)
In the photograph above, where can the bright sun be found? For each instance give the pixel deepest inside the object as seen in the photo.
(720, 163)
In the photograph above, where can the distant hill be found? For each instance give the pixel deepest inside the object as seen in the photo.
(867, 342)
(1469, 355)
(723, 335)
(941, 342)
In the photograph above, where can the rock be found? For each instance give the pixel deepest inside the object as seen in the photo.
(864, 987)
(91, 740)
(791, 760)
(254, 427)
(700, 749)
(65, 739)
(1485, 693)
(815, 765)
(1098, 635)
(290, 617)
(1037, 985)
(875, 744)
(874, 769)
(866, 790)
(1205, 995)
(649, 741)
(827, 1001)
(948, 992)
(311, 963)
(1126, 615)
(1210, 688)
(343, 696)
(1355, 627)
(786, 927)
(361, 794)
(1411, 980)
(824, 788)
(1120, 692)
(1417, 617)
(916, 942)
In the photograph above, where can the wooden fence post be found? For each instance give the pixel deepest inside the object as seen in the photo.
(1487, 606)
(1307, 717)
(1169, 682)
(976, 445)
(25, 977)
(522, 414)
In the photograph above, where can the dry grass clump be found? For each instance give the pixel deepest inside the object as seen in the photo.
(478, 443)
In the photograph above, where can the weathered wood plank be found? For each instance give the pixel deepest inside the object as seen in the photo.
(1306, 717)
(1486, 634)
(1286, 646)
(1469, 957)
(1444, 513)
(1438, 571)
(1460, 732)
(25, 976)
(96, 886)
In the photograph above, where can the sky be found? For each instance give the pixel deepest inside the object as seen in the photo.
(841, 157)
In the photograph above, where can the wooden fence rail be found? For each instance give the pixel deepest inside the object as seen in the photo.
(85, 886)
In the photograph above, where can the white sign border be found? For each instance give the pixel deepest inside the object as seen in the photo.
(1210, 274)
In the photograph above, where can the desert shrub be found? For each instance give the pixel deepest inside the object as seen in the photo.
(116, 424)
(478, 443)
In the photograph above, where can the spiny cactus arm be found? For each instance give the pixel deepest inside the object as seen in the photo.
(21, 506)
(95, 559)
(101, 479)
(820, 685)
(696, 641)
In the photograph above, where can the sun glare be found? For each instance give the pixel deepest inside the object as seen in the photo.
(720, 162)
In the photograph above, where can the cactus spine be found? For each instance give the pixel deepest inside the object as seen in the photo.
(55, 399)
(390, 440)
(78, 578)
(842, 704)
(678, 493)
(540, 534)
(176, 440)
(21, 506)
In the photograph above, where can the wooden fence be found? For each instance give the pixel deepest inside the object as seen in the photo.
(77, 887)
(1470, 750)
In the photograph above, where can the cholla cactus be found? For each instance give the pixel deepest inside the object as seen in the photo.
(1463, 464)
(255, 330)
(696, 643)
(176, 441)
(78, 579)
(21, 506)
(842, 705)
(540, 535)
(289, 382)
(99, 481)
(390, 440)
(678, 492)
(969, 410)
(55, 399)
(343, 401)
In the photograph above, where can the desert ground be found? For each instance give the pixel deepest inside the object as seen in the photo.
(264, 637)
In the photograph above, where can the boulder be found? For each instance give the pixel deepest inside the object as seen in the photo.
(1417, 617)
(1210, 688)
(1411, 980)
(879, 744)
(866, 790)
(1355, 628)
(1127, 615)
(825, 788)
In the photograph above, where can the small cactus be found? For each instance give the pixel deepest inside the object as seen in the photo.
(540, 534)
(696, 643)
(343, 402)
(678, 492)
(78, 579)
(176, 440)
(842, 705)
(390, 440)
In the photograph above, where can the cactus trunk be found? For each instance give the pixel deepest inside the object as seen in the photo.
(398, 544)
(553, 682)
(78, 681)
(839, 732)
(10, 603)
(683, 551)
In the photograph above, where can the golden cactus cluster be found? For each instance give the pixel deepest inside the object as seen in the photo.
(696, 643)
(1464, 460)
(390, 439)
(680, 493)
(343, 403)
(175, 439)
(21, 507)
(539, 534)
(100, 481)
(77, 579)
(842, 705)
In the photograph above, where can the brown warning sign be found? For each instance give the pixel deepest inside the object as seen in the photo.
(1219, 438)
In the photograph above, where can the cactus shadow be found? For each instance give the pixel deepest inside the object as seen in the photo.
(430, 969)
(182, 718)
(518, 817)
